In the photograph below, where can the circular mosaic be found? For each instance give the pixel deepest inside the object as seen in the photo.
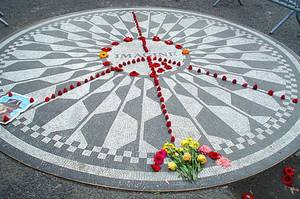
(97, 118)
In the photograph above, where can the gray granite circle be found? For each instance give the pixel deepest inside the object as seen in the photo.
(105, 132)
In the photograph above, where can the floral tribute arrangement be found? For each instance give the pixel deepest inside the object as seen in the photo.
(188, 159)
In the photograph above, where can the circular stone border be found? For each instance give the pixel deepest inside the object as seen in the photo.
(283, 146)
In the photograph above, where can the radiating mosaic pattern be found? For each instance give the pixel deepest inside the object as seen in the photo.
(106, 131)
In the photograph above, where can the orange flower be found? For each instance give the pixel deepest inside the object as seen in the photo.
(185, 51)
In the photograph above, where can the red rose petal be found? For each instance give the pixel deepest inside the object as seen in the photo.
(65, 90)
(161, 99)
(190, 67)
(247, 195)
(163, 106)
(102, 73)
(170, 130)
(160, 70)
(134, 74)
(178, 64)
(207, 72)
(166, 116)
(155, 65)
(53, 96)
(199, 70)
(78, 83)
(169, 42)
(97, 75)
(91, 78)
(138, 59)
(282, 97)
(31, 100)
(287, 180)
(215, 75)
(214, 155)
(106, 49)
(164, 111)
(59, 93)
(143, 59)
(114, 43)
(178, 46)
(156, 38)
(168, 124)
(168, 67)
(295, 100)
(234, 81)
(71, 87)
(289, 171)
(158, 88)
(244, 85)
(107, 70)
(159, 94)
(128, 39)
(106, 63)
(86, 81)
(172, 139)
(255, 87)
(47, 99)
(5, 118)
(10, 94)
(224, 78)
(270, 92)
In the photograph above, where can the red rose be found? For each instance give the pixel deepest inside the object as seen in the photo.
(159, 158)
(115, 43)
(244, 85)
(128, 39)
(162, 152)
(106, 63)
(31, 100)
(234, 81)
(106, 49)
(255, 87)
(214, 155)
(178, 46)
(289, 171)
(224, 78)
(282, 97)
(172, 138)
(295, 100)
(5, 118)
(270, 92)
(156, 168)
(134, 74)
(287, 180)
(169, 42)
(156, 38)
(247, 195)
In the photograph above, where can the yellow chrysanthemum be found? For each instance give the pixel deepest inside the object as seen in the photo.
(172, 166)
(184, 143)
(167, 146)
(187, 157)
(103, 54)
(201, 159)
(194, 144)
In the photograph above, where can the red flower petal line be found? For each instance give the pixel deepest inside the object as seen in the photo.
(59, 93)
(190, 67)
(170, 130)
(71, 87)
(65, 90)
(53, 96)
(244, 85)
(215, 75)
(199, 70)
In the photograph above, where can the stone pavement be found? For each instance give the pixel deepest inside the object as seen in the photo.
(217, 193)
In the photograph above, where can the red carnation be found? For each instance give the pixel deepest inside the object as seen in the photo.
(247, 195)
(134, 74)
(168, 124)
(31, 100)
(172, 138)
(282, 97)
(199, 70)
(295, 100)
(106, 63)
(234, 81)
(244, 85)
(287, 180)
(161, 99)
(178, 46)
(65, 90)
(224, 78)
(207, 72)
(214, 155)
(59, 93)
(53, 96)
(270, 92)
(255, 87)
(159, 158)
(47, 99)
(114, 43)
(289, 171)
(169, 42)
(145, 49)
(106, 49)
(155, 167)
(71, 87)
(128, 39)
(156, 38)
(215, 75)
(170, 130)
(5, 118)
(78, 83)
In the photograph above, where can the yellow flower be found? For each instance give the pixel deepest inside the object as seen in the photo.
(194, 144)
(103, 54)
(189, 139)
(180, 149)
(167, 146)
(201, 159)
(185, 51)
(187, 157)
(172, 166)
(184, 143)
